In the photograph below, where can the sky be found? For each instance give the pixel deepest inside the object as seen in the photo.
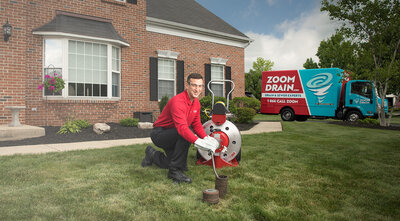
(286, 32)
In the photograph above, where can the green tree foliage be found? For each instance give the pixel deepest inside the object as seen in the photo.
(310, 64)
(374, 26)
(337, 52)
(253, 77)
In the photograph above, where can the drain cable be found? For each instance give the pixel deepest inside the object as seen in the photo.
(212, 158)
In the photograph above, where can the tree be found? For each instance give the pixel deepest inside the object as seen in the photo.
(310, 64)
(337, 52)
(374, 26)
(253, 77)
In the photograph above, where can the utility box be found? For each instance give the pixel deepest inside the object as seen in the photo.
(144, 116)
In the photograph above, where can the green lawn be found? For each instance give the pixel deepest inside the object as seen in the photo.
(310, 171)
(276, 117)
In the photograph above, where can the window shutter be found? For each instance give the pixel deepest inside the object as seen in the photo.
(153, 79)
(180, 76)
(207, 71)
(132, 1)
(228, 85)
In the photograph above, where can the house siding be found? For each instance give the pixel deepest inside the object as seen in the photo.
(21, 62)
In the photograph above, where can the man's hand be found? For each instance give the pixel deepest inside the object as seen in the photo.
(207, 144)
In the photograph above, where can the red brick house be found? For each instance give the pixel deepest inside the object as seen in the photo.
(116, 57)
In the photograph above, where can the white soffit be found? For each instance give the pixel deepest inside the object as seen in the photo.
(188, 31)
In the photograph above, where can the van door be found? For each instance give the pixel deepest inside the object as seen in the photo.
(362, 97)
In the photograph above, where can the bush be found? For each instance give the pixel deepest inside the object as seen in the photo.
(244, 115)
(129, 122)
(369, 121)
(70, 126)
(250, 102)
(82, 123)
(164, 100)
(205, 103)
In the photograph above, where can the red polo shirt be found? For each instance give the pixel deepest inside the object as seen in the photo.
(181, 113)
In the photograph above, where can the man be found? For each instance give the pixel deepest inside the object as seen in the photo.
(171, 131)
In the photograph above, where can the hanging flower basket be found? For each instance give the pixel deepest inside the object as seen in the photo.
(52, 84)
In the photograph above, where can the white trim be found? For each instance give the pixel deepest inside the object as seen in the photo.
(220, 61)
(68, 35)
(168, 54)
(188, 31)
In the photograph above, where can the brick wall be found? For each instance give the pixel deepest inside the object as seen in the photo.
(21, 61)
(196, 53)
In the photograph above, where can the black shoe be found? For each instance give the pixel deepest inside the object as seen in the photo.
(148, 158)
(178, 176)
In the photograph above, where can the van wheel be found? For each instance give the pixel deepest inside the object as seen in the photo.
(353, 116)
(287, 114)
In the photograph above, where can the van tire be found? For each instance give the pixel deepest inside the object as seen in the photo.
(287, 114)
(353, 116)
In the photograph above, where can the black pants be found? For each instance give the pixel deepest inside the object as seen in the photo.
(175, 147)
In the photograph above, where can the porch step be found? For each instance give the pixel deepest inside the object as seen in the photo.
(19, 133)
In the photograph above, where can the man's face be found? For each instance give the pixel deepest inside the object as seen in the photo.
(194, 88)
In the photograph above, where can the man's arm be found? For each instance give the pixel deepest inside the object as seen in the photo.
(178, 113)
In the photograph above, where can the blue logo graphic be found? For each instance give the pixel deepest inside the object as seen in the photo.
(320, 85)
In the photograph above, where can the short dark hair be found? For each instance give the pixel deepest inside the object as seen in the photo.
(194, 76)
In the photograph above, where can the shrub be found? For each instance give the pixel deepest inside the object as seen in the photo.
(369, 121)
(70, 126)
(164, 100)
(244, 115)
(250, 102)
(205, 103)
(129, 122)
(82, 123)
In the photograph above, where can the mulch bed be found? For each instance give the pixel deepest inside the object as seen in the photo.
(117, 132)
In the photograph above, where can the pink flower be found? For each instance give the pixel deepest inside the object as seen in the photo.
(47, 76)
(40, 87)
(51, 88)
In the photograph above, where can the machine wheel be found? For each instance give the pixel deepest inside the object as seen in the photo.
(353, 116)
(301, 117)
(287, 114)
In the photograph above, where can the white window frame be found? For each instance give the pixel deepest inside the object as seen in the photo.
(116, 71)
(65, 63)
(215, 61)
(167, 55)
(165, 79)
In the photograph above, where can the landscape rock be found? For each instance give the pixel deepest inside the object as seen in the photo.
(145, 125)
(100, 128)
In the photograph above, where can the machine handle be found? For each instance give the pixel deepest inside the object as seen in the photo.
(227, 96)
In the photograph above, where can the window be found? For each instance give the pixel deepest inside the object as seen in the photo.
(166, 77)
(217, 73)
(53, 61)
(91, 69)
(362, 88)
(116, 71)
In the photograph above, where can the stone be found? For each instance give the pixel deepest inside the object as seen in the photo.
(100, 128)
(145, 125)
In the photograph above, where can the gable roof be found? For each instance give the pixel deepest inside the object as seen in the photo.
(190, 13)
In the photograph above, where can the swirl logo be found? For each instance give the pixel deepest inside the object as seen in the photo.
(320, 85)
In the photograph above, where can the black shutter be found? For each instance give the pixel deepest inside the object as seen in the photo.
(207, 71)
(132, 1)
(180, 76)
(153, 79)
(228, 85)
